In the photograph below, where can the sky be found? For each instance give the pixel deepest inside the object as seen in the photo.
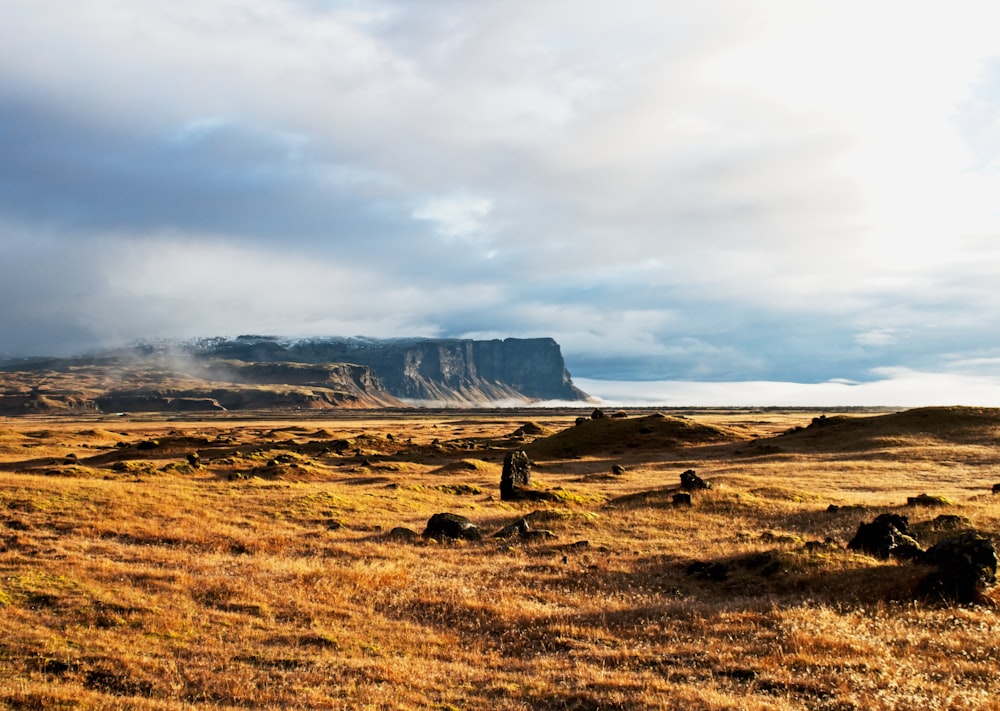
(741, 194)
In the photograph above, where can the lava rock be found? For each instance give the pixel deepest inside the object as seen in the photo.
(888, 536)
(516, 473)
(690, 481)
(965, 566)
(451, 526)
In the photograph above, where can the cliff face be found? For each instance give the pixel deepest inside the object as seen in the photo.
(253, 372)
(461, 371)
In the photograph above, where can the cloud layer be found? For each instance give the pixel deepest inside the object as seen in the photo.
(721, 191)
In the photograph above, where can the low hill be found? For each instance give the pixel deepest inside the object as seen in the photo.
(595, 437)
(927, 425)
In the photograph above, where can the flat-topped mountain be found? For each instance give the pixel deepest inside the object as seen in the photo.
(259, 372)
(450, 370)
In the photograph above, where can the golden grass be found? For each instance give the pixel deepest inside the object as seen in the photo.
(130, 579)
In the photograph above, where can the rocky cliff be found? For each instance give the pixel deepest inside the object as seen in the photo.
(446, 371)
(256, 372)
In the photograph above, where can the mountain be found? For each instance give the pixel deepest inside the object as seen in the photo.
(425, 370)
(260, 373)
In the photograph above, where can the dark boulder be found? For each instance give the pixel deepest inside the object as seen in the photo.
(888, 536)
(518, 528)
(402, 535)
(597, 414)
(516, 473)
(964, 566)
(452, 526)
(707, 570)
(515, 481)
(690, 481)
(617, 469)
(996, 488)
(683, 499)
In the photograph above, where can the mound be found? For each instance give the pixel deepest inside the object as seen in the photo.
(945, 425)
(605, 435)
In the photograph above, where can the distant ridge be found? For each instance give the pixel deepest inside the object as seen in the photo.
(424, 370)
(264, 372)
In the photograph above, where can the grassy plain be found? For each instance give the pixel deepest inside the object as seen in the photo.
(262, 573)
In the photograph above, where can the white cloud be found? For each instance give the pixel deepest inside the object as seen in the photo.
(897, 387)
(456, 216)
(689, 184)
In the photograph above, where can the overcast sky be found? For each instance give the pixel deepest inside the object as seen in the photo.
(772, 190)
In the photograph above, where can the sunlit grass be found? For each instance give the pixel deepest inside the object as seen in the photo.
(159, 587)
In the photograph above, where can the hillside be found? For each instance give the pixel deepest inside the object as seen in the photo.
(926, 426)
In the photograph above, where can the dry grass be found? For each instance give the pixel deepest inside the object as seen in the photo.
(262, 577)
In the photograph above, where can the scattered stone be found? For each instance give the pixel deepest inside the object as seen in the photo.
(690, 481)
(617, 469)
(402, 534)
(928, 500)
(453, 526)
(683, 499)
(965, 566)
(708, 571)
(538, 534)
(621, 414)
(888, 536)
(581, 420)
(597, 414)
(518, 528)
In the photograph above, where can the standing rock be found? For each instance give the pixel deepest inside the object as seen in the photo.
(516, 473)
(449, 525)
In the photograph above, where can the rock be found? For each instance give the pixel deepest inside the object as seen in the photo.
(996, 488)
(194, 459)
(581, 420)
(402, 534)
(453, 526)
(690, 481)
(965, 566)
(888, 536)
(518, 528)
(617, 469)
(597, 414)
(928, 500)
(516, 473)
(708, 571)
(681, 499)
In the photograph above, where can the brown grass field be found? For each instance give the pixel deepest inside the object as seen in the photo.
(264, 576)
